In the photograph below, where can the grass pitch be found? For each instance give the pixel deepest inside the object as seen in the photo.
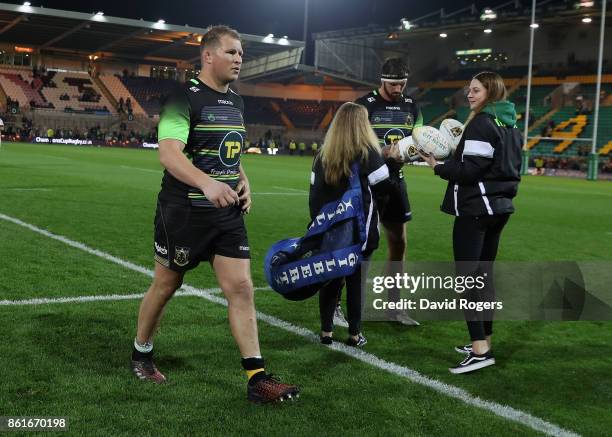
(71, 359)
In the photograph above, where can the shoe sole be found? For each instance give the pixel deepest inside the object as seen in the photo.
(357, 345)
(324, 341)
(290, 396)
(472, 367)
(142, 377)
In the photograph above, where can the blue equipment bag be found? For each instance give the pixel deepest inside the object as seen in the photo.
(332, 247)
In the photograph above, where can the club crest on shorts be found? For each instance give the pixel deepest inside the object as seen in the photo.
(181, 256)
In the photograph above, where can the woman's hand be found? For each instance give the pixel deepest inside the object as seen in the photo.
(430, 160)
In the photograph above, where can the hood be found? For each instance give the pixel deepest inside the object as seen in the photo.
(503, 110)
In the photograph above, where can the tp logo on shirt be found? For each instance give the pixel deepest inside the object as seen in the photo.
(230, 148)
(393, 135)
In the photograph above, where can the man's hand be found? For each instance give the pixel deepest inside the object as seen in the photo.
(220, 194)
(392, 151)
(244, 192)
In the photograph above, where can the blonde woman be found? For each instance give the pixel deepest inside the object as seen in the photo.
(349, 139)
(483, 177)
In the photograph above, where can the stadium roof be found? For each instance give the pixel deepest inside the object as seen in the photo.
(510, 12)
(54, 30)
(71, 33)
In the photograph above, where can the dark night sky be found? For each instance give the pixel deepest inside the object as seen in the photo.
(260, 17)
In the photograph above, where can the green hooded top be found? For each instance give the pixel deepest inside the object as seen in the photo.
(503, 111)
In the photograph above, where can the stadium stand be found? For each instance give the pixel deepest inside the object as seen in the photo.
(259, 111)
(434, 102)
(304, 113)
(115, 86)
(554, 111)
(148, 92)
(538, 94)
(76, 92)
(20, 85)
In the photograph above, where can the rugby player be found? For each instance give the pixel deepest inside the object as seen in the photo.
(200, 208)
(393, 117)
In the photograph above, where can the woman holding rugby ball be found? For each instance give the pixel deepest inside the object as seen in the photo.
(483, 177)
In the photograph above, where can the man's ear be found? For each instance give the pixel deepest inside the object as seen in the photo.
(206, 56)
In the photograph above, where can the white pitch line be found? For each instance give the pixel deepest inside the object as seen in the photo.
(280, 194)
(148, 170)
(500, 410)
(26, 189)
(108, 297)
(185, 290)
(290, 189)
(45, 301)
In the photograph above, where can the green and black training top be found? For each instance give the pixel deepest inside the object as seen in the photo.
(391, 121)
(211, 125)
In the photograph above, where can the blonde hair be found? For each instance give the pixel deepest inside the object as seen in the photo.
(213, 35)
(496, 90)
(349, 138)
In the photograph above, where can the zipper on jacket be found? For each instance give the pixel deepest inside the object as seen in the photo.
(456, 190)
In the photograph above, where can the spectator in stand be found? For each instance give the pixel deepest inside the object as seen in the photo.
(302, 147)
(580, 106)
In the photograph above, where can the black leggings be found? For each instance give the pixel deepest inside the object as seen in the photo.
(475, 243)
(328, 298)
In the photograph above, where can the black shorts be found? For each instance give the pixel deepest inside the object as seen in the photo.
(187, 235)
(397, 209)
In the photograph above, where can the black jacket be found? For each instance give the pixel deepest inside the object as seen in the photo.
(484, 172)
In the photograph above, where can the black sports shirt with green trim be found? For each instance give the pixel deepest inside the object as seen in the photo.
(211, 126)
(391, 120)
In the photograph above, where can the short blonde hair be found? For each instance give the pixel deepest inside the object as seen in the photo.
(213, 36)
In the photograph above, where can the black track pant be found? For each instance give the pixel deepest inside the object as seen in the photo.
(475, 243)
(328, 298)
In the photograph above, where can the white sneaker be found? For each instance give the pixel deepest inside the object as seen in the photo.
(402, 317)
(339, 319)
(473, 362)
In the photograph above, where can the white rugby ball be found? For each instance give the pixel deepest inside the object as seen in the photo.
(407, 149)
(453, 130)
(430, 141)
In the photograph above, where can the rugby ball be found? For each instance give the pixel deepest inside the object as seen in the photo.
(430, 141)
(407, 149)
(452, 130)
